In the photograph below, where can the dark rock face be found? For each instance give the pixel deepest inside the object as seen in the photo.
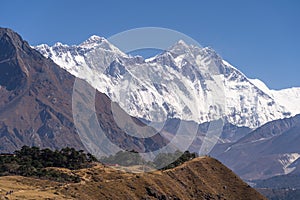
(36, 101)
(35, 107)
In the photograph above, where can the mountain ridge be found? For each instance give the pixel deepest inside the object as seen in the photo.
(255, 106)
(270, 150)
(200, 178)
(36, 106)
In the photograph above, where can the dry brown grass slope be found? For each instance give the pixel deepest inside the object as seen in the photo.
(201, 178)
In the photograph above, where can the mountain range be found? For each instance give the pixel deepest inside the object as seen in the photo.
(260, 124)
(270, 150)
(175, 84)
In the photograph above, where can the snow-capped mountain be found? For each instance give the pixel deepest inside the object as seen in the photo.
(289, 97)
(185, 82)
(91, 56)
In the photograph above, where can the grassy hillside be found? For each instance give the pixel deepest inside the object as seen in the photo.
(200, 178)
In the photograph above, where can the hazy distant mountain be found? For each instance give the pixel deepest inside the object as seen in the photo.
(169, 85)
(270, 150)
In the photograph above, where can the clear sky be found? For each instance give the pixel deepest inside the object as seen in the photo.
(259, 37)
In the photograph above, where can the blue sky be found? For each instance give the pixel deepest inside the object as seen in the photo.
(260, 37)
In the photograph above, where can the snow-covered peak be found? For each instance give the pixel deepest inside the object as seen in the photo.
(261, 85)
(41, 46)
(100, 43)
(59, 44)
(182, 51)
(210, 51)
(288, 98)
(173, 82)
(181, 42)
(93, 40)
(96, 53)
(180, 45)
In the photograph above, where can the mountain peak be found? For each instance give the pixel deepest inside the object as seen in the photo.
(92, 40)
(59, 44)
(10, 38)
(97, 42)
(180, 45)
(12, 49)
(95, 38)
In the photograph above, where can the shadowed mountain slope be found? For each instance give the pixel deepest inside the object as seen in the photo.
(36, 102)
